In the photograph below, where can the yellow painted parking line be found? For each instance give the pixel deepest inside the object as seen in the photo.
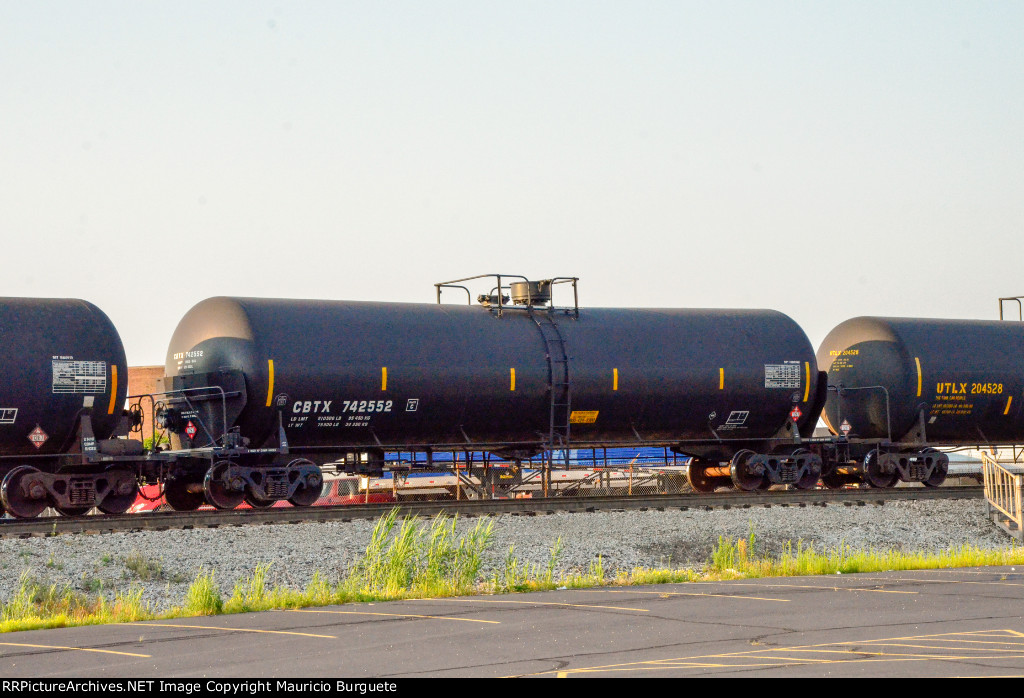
(1001, 632)
(545, 603)
(76, 649)
(964, 642)
(676, 666)
(826, 588)
(234, 630)
(924, 580)
(392, 615)
(851, 652)
(785, 586)
(1017, 651)
(684, 593)
(986, 570)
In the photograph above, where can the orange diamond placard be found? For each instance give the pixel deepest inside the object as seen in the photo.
(38, 437)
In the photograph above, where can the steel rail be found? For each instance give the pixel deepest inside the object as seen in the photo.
(179, 520)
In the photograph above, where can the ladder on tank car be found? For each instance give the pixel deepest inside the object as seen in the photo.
(560, 389)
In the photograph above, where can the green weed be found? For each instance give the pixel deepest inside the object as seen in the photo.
(36, 605)
(203, 596)
(144, 568)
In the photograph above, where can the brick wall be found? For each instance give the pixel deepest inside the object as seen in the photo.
(142, 380)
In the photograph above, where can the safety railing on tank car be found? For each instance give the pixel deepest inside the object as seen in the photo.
(497, 297)
(1004, 488)
(1015, 299)
(206, 392)
(841, 389)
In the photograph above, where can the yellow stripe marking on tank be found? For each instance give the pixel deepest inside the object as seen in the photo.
(113, 388)
(615, 379)
(1008, 401)
(270, 383)
(383, 378)
(721, 379)
(918, 362)
(807, 384)
(512, 387)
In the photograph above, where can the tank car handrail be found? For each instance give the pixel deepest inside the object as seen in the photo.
(575, 291)
(497, 290)
(455, 284)
(223, 405)
(840, 389)
(1020, 306)
(479, 276)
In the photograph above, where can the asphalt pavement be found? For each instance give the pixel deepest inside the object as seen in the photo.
(935, 623)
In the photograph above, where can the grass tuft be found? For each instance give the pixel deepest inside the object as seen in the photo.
(203, 596)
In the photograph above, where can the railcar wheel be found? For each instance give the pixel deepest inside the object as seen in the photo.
(813, 474)
(178, 496)
(698, 479)
(22, 495)
(123, 494)
(743, 474)
(938, 475)
(312, 482)
(224, 489)
(873, 474)
(305, 496)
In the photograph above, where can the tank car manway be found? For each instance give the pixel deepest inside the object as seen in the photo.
(158, 521)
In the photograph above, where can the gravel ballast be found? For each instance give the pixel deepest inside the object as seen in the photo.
(164, 563)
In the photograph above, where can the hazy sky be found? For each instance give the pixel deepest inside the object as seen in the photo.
(825, 159)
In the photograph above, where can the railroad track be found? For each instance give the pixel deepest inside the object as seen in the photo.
(162, 521)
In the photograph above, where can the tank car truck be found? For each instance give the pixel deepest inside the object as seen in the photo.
(262, 393)
(62, 394)
(899, 388)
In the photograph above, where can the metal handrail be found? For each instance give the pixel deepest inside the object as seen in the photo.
(1003, 489)
(455, 283)
(182, 394)
(1020, 306)
(840, 389)
(500, 286)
